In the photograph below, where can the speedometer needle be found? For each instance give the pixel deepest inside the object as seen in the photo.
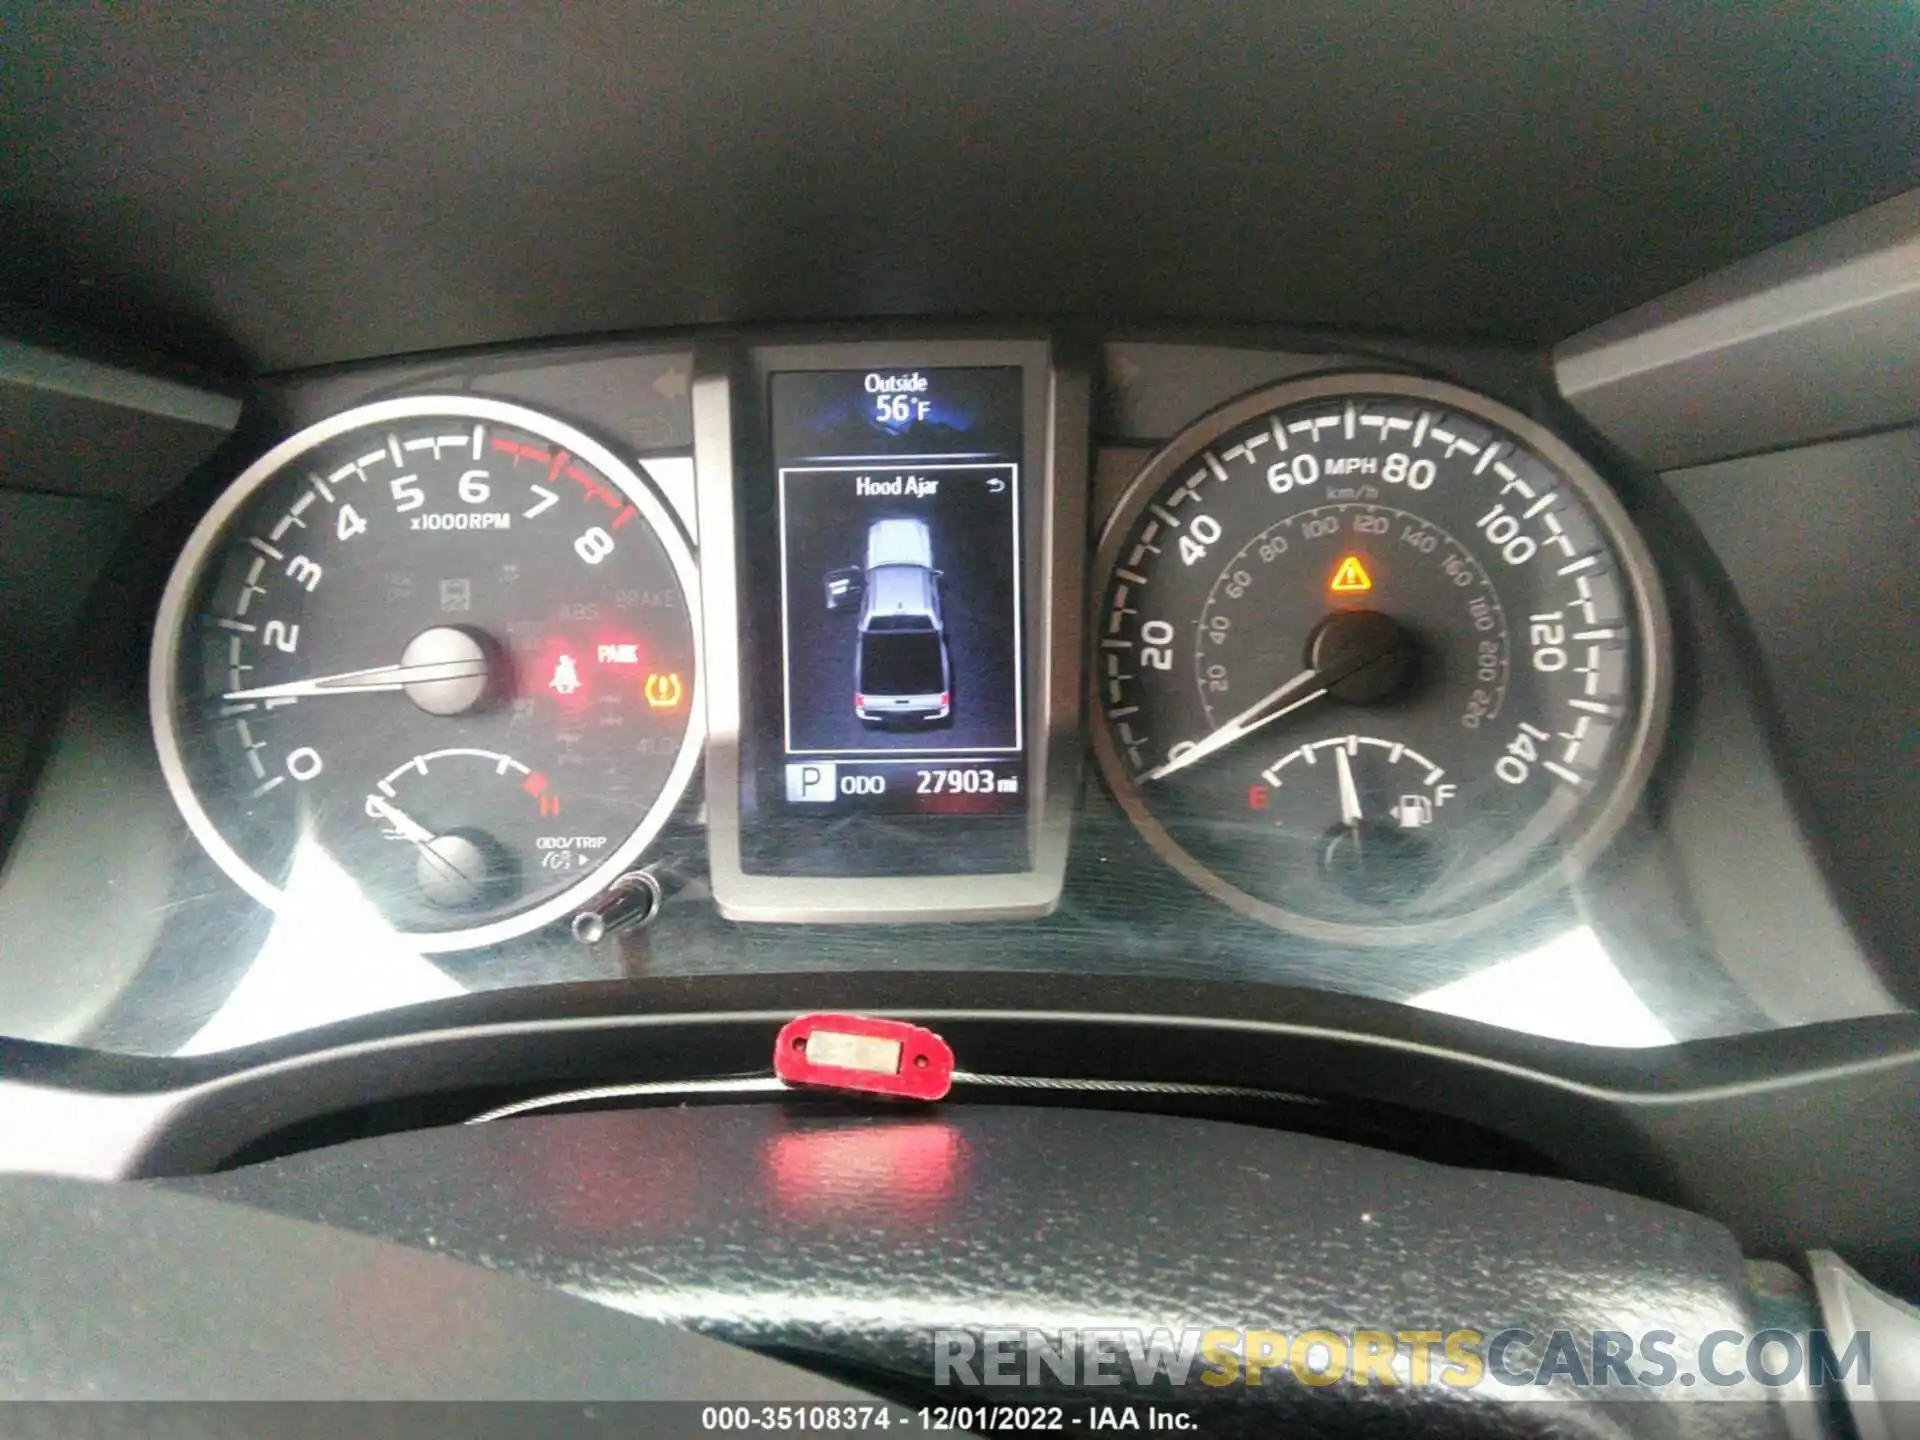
(1345, 645)
(359, 682)
(1269, 707)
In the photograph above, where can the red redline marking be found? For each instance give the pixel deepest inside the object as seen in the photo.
(555, 463)
(624, 516)
(534, 784)
(520, 452)
(594, 488)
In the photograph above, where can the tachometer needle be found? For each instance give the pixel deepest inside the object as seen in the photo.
(360, 682)
(1350, 814)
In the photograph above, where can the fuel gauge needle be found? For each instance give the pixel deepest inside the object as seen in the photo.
(1350, 814)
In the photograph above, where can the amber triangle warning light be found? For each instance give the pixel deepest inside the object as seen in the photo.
(1351, 578)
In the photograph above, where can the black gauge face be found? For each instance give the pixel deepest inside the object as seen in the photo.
(1375, 657)
(431, 662)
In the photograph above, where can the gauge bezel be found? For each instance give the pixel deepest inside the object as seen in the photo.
(1587, 835)
(202, 544)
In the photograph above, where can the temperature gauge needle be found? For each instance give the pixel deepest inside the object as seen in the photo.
(1350, 814)
(451, 869)
(403, 824)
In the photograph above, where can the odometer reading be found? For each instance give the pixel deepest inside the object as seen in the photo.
(1374, 656)
(433, 659)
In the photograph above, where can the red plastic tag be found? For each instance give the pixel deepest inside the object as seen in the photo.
(865, 1056)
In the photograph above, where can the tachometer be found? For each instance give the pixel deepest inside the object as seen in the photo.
(1375, 657)
(436, 657)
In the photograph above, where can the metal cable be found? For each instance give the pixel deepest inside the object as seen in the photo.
(767, 1084)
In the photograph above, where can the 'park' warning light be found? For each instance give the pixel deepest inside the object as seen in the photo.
(1351, 578)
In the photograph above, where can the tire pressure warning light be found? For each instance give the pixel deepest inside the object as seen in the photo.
(864, 1056)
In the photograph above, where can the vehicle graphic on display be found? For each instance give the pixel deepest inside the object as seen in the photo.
(902, 673)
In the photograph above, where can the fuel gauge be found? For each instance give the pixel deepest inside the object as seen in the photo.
(1372, 806)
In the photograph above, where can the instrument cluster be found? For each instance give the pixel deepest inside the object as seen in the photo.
(1363, 655)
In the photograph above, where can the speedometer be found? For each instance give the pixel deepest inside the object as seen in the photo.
(1375, 658)
(434, 659)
